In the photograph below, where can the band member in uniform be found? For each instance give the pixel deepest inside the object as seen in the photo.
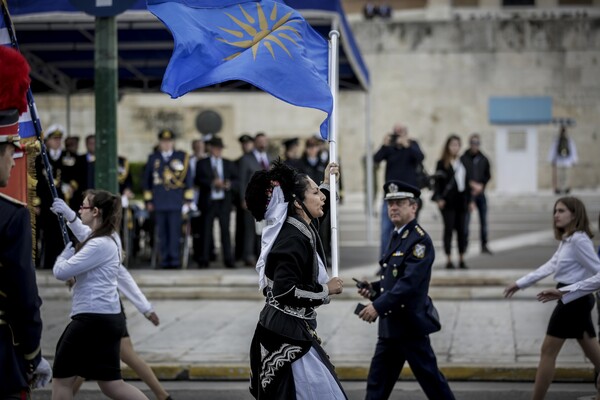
(167, 186)
(84, 172)
(21, 362)
(215, 176)
(286, 357)
(62, 165)
(400, 300)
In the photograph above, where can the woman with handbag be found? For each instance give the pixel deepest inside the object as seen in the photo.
(574, 264)
(453, 196)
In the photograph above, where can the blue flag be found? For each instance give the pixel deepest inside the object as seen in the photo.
(262, 42)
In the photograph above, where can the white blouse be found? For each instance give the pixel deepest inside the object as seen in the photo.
(574, 260)
(96, 269)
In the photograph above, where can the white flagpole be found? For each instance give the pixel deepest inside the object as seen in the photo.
(333, 85)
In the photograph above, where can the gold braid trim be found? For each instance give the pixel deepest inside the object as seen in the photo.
(178, 183)
(121, 177)
(32, 150)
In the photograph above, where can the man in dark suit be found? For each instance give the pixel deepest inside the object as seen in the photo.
(254, 161)
(215, 177)
(400, 300)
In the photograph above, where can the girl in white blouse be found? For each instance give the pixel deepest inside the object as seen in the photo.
(89, 346)
(573, 261)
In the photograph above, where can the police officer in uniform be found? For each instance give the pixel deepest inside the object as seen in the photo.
(400, 301)
(21, 362)
(167, 185)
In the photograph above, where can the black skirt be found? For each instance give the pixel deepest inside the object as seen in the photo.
(571, 320)
(90, 347)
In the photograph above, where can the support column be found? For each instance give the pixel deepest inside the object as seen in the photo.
(105, 87)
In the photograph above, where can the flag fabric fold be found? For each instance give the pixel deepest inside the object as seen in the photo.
(262, 42)
(26, 128)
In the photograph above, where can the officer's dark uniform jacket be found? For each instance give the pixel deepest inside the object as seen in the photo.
(286, 328)
(167, 183)
(401, 298)
(20, 322)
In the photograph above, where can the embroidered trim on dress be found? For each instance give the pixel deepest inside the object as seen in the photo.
(271, 364)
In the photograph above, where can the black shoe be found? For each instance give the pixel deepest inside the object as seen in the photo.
(202, 264)
(229, 265)
(556, 191)
(449, 265)
(462, 265)
(486, 250)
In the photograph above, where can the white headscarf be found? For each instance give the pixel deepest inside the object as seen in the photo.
(274, 219)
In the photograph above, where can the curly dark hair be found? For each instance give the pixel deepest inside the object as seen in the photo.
(293, 184)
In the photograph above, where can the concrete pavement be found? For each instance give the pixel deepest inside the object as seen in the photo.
(208, 316)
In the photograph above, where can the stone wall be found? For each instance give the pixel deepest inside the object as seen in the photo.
(435, 76)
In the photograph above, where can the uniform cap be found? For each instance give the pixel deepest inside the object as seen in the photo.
(166, 134)
(396, 190)
(9, 127)
(55, 130)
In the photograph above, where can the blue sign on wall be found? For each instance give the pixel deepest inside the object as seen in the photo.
(520, 110)
(102, 8)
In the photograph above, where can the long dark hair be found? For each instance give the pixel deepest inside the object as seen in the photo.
(446, 156)
(580, 219)
(109, 206)
(293, 184)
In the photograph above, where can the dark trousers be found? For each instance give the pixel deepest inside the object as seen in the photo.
(221, 210)
(250, 238)
(52, 243)
(168, 224)
(481, 204)
(454, 220)
(388, 360)
(24, 395)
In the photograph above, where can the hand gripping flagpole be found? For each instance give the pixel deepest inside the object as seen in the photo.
(36, 122)
(333, 85)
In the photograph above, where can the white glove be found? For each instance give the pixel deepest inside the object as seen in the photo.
(124, 201)
(60, 207)
(185, 208)
(42, 375)
(193, 207)
(68, 251)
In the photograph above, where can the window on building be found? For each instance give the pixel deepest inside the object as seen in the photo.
(465, 3)
(511, 3)
(575, 2)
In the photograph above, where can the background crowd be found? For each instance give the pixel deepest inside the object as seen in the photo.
(183, 196)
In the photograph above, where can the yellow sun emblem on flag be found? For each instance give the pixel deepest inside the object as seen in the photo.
(254, 35)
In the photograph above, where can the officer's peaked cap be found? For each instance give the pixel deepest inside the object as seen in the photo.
(166, 134)
(396, 190)
(55, 131)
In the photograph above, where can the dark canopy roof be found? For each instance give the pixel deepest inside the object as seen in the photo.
(58, 41)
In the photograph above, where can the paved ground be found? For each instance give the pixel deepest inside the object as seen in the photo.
(406, 390)
(208, 316)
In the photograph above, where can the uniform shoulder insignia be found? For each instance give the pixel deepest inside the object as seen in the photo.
(419, 250)
(12, 200)
(420, 230)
